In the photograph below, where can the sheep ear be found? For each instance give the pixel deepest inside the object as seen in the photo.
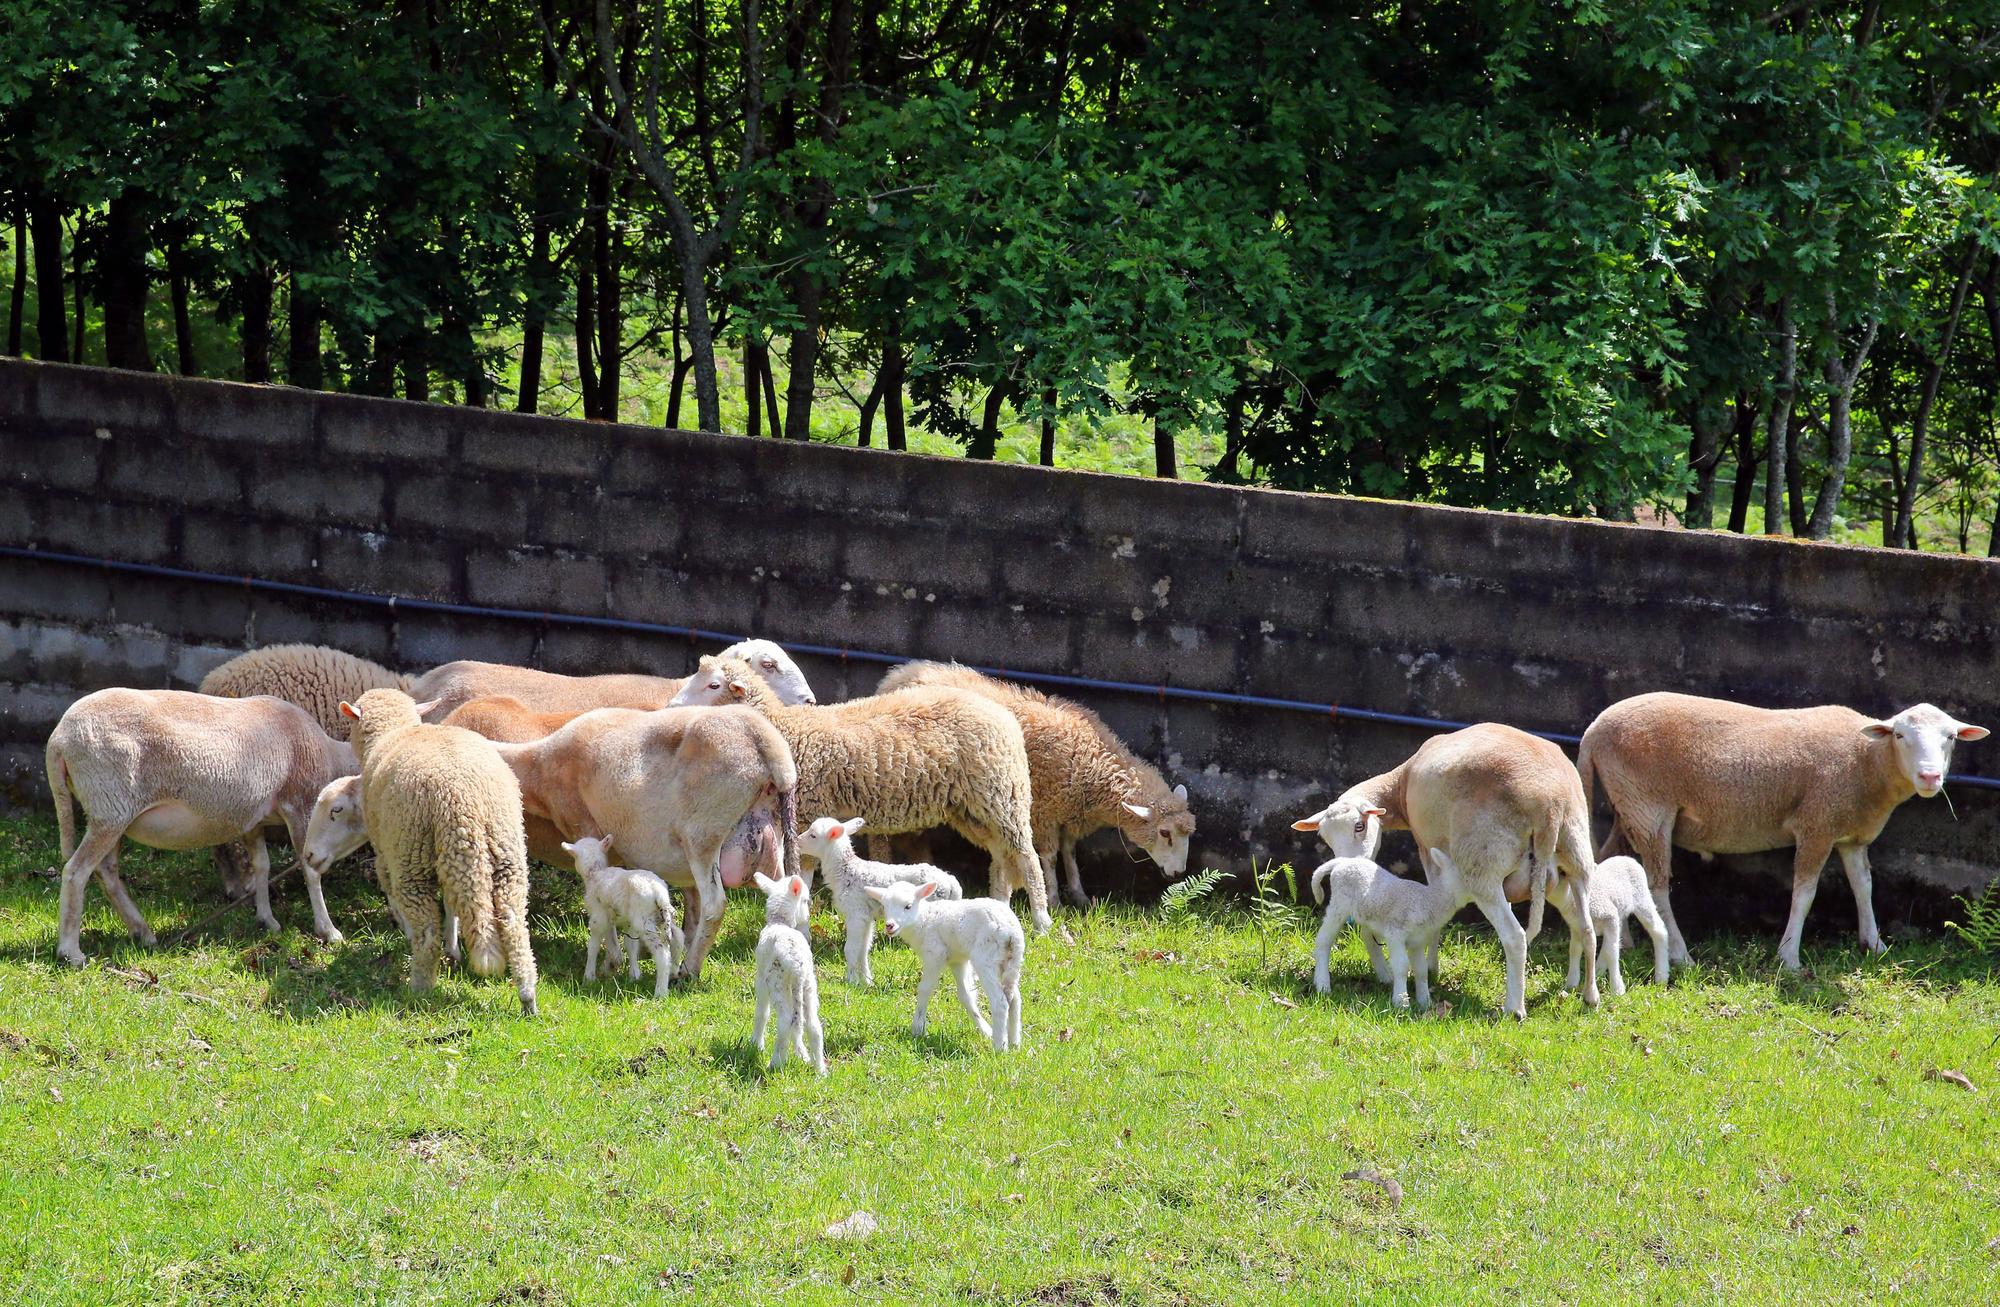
(925, 890)
(1970, 733)
(875, 892)
(1180, 792)
(606, 842)
(349, 710)
(737, 690)
(1139, 810)
(426, 708)
(1377, 813)
(855, 823)
(569, 848)
(835, 832)
(764, 882)
(797, 887)
(1878, 729)
(1306, 823)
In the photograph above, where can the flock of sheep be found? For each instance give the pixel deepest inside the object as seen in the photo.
(459, 776)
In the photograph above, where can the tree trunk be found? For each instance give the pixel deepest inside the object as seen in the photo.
(1841, 377)
(534, 318)
(1164, 462)
(1906, 503)
(416, 370)
(122, 279)
(1795, 472)
(865, 433)
(177, 288)
(610, 313)
(753, 394)
(987, 440)
(681, 369)
(586, 332)
(255, 289)
(1704, 457)
(1779, 420)
(1048, 451)
(769, 376)
(811, 287)
(17, 299)
(304, 365)
(892, 387)
(1745, 489)
(52, 310)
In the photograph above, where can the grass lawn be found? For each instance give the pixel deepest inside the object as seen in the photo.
(274, 1120)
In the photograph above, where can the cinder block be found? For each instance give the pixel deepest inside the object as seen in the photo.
(311, 493)
(373, 563)
(377, 431)
(537, 446)
(233, 413)
(466, 508)
(272, 551)
(130, 533)
(42, 455)
(147, 470)
(125, 403)
(536, 579)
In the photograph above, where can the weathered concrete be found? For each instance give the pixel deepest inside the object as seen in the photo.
(1432, 611)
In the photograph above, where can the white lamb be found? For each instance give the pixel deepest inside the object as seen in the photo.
(785, 978)
(633, 903)
(1618, 889)
(969, 935)
(848, 876)
(1404, 915)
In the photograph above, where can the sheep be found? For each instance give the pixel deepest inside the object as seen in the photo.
(1717, 777)
(622, 901)
(456, 683)
(444, 814)
(980, 935)
(911, 760)
(176, 770)
(336, 829)
(1617, 891)
(1082, 775)
(1509, 809)
(698, 797)
(848, 875)
(785, 976)
(504, 719)
(1404, 915)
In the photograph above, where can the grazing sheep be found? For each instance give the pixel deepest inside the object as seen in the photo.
(911, 760)
(785, 976)
(1717, 777)
(1404, 915)
(336, 829)
(1509, 809)
(1082, 775)
(461, 682)
(980, 935)
(174, 770)
(1617, 891)
(635, 904)
(848, 876)
(444, 814)
(701, 798)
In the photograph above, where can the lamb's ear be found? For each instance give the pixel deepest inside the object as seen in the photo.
(797, 887)
(1139, 810)
(1878, 729)
(925, 890)
(853, 824)
(1180, 792)
(1306, 823)
(569, 848)
(875, 892)
(1970, 733)
(835, 832)
(605, 840)
(764, 882)
(1377, 813)
(349, 710)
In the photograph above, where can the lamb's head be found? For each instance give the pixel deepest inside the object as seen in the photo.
(1163, 828)
(722, 679)
(819, 840)
(901, 904)
(1922, 738)
(1350, 827)
(776, 667)
(1445, 875)
(787, 900)
(379, 712)
(335, 828)
(590, 854)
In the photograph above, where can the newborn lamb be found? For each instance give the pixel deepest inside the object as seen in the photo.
(785, 978)
(1405, 915)
(848, 876)
(632, 903)
(969, 935)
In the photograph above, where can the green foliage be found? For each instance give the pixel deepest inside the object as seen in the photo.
(1178, 902)
(1980, 931)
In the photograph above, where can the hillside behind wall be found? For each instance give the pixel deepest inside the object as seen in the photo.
(1430, 611)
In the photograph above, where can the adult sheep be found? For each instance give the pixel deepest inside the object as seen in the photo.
(1717, 777)
(444, 815)
(1082, 775)
(702, 799)
(174, 770)
(1502, 803)
(458, 683)
(909, 761)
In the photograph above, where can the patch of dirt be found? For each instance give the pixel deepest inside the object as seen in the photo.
(1083, 1290)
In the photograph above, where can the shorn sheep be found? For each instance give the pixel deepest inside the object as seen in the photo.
(456, 683)
(1504, 804)
(1715, 777)
(981, 935)
(848, 876)
(337, 828)
(785, 977)
(1401, 916)
(907, 761)
(1617, 891)
(174, 770)
(1083, 776)
(444, 814)
(625, 902)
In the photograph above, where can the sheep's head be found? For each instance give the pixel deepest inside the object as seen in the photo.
(787, 900)
(1350, 827)
(719, 680)
(589, 854)
(1164, 828)
(776, 667)
(1922, 738)
(901, 904)
(821, 838)
(379, 711)
(335, 828)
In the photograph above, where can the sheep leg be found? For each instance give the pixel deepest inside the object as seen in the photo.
(1047, 858)
(451, 935)
(1072, 875)
(787, 1034)
(705, 898)
(1329, 931)
(260, 878)
(1656, 853)
(1572, 979)
(1376, 958)
(663, 965)
(1656, 929)
(1012, 981)
(1854, 860)
(996, 998)
(961, 972)
(98, 844)
(815, 1050)
(121, 899)
(1610, 945)
(420, 917)
(926, 986)
(1513, 946)
(1807, 861)
(322, 921)
(860, 942)
(763, 1015)
(590, 947)
(1399, 971)
(632, 950)
(1420, 976)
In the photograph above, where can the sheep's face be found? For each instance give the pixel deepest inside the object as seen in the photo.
(704, 688)
(777, 669)
(1349, 828)
(821, 838)
(336, 828)
(1165, 831)
(1923, 737)
(901, 904)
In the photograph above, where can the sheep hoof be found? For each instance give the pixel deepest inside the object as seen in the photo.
(149, 940)
(72, 958)
(528, 1005)
(333, 936)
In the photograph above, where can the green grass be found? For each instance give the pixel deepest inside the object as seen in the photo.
(274, 1120)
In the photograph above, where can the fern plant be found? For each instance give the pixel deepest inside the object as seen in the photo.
(1981, 927)
(1271, 912)
(1178, 903)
